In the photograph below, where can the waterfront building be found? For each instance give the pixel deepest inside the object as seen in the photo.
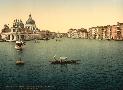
(90, 33)
(114, 32)
(53, 35)
(108, 32)
(45, 34)
(119, 31)
(73, 33)
(6, 33)
(32, 32)
(27, 32)
(31, 26)
(93, 33)
(0, 37)
(12, 34)
(58, 35)
(83, 33)
(99, 32)
(104, 32)
(5, 29)
(64, 34)
(77, 33)
(118, 37)
(69, 33)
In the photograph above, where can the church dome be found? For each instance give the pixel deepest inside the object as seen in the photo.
(30, 20)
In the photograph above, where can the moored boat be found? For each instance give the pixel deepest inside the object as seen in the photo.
(19, 62)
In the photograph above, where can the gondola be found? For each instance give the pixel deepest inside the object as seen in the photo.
(64, 60)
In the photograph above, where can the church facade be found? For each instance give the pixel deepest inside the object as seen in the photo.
(18, 29)
(30, 25)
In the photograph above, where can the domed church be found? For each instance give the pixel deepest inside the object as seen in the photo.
(30, 24)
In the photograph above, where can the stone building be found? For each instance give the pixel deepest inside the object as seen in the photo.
(30, 25)
(73, 33)
(77, 33)
(5, 29)
(108, 32)
(53, 35)
(12, 34)
(18, 30)
(93, 33)
(70, 33)
(83, 33)
(100, 32)
(114, 32)
(119, 31)
(64, 35)
(60, 35)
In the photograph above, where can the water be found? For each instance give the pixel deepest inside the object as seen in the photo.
(101, 66)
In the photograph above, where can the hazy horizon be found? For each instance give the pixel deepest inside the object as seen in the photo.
(61, 15)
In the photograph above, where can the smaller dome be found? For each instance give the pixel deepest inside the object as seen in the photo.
(30, 20)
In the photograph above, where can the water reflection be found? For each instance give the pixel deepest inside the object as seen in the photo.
(19, 54)
(19, 60)
(101, 65)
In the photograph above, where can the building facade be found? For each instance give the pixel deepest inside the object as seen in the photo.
(77, 33)
(31, 26)
(13, 33)
(18, 30)
(114, 32)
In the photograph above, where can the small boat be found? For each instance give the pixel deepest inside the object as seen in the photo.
(45, 38)
(109, 39)
(64, 60)
(58, 40)
(36, 41)
(118, 40)
(19, 62)
(19, 45)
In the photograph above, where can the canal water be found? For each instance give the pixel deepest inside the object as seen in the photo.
(100, 68)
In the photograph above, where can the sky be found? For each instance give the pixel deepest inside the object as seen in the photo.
(61, 15)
